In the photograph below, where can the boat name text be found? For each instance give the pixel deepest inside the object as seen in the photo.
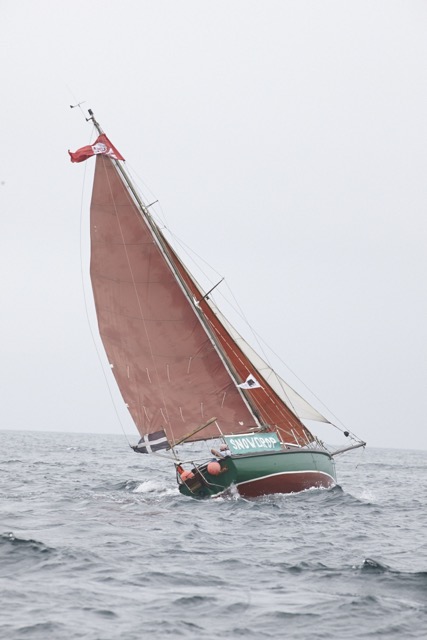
(253, 442)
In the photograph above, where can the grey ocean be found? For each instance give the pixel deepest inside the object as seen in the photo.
(97, 543)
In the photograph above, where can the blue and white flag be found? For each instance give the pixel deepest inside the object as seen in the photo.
(152, 442)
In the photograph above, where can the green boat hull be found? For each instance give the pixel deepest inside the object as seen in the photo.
(266, 473)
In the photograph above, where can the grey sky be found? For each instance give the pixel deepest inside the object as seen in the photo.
(286, 142)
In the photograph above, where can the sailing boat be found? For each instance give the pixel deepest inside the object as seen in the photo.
(184, 372)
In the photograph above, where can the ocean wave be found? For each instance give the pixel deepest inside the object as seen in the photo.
(20, 555)
(372, 566)
(8, 539)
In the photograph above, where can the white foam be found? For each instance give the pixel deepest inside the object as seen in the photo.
(151, 486)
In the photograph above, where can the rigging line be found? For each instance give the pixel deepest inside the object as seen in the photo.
(135, 287)
(242, 315)
(260, 341)
(186, 248)
(136, 179)
(190, 253)
(273, 410)
(87, 308)
(238, 337)
(78, 104)
(307, 387)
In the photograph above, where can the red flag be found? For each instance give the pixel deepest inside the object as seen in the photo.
(101, 145)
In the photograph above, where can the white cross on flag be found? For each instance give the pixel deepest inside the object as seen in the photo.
(152, 442)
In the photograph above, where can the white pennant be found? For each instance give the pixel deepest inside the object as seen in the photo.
(250, 383)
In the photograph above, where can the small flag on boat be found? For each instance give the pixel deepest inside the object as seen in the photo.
(250, 383)
(102, 146)
(152, 442)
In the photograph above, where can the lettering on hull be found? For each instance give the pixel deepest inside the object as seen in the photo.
(253, 444)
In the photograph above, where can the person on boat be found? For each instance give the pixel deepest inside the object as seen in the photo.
(223, 452)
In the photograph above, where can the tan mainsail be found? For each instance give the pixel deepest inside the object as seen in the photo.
(165, 364)
(175, 363)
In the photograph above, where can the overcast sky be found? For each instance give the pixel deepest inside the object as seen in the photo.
(286, 142)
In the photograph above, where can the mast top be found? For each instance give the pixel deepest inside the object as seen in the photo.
(95, 122)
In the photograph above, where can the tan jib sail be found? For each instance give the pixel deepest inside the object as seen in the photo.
(175, 363)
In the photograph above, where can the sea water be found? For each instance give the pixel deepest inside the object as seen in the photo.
(97, 543)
